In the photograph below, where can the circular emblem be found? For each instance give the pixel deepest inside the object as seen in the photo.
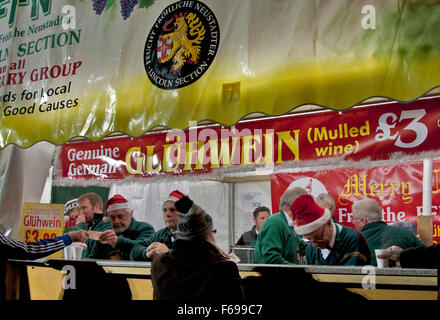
(181, 44)
(313, 186)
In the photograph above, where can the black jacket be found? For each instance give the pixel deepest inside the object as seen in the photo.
(421, 257)
(195, 271)
(249, 238)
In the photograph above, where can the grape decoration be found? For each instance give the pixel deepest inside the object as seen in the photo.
(99, 6)
(127, 6)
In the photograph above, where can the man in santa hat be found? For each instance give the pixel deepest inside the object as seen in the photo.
(163, 239)
(117, 242)
(329, 243)
(277, 243)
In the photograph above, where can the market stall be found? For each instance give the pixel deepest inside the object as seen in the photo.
(350, 156)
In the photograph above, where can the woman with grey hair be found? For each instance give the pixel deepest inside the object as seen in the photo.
(196, 269)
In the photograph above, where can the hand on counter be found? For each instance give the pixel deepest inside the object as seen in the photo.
(392, 252)
(155, 249)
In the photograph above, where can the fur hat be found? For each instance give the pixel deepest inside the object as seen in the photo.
(117, 202)
(195, 224)
(308, 216)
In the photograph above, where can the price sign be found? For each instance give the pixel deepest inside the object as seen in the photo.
(416, 129)
(42, 221)
(34, 235)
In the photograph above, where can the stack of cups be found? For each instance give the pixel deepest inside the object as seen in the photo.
(74, 251)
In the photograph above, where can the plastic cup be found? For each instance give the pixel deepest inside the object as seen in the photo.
(74, 251)
(381, 263)
(67, 253)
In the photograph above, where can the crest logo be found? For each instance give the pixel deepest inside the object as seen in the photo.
(181, 45)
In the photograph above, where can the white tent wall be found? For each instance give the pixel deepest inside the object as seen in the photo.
(147, 201)
(23, 174)
(248, 196)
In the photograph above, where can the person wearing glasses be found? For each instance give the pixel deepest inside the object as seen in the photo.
(315, 224)
(162, 240)
(326, 201)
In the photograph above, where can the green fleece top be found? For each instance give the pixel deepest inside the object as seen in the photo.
(277, 243)
(346, 250)
(379, 235)
(97, 224)
(164, 236)
(135, 233)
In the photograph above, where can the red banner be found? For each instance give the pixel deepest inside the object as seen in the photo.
(398, 189)
(372, 132)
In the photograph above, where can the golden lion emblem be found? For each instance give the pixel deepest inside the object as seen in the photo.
(184, 49)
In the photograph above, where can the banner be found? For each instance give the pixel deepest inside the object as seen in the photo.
(63, 195)
(398, 189)
(88, 68)
(42, 221)
(371, 133)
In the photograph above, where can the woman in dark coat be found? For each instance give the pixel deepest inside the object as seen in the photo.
(416, 257)
(196, 269)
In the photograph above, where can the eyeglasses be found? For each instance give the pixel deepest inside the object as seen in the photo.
(214, 230)
(313, 241)
(316, 238)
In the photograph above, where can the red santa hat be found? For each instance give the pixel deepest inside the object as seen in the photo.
(117, 202)
(308, 216)
(174, 196)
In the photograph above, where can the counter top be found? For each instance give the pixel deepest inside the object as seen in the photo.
(352, 270)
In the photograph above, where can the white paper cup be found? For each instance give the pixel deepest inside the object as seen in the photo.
(67, 253)
(74, 251)
(381, 263)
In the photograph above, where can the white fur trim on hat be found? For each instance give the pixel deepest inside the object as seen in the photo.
(174, 196)
(119, 206)
(314, 225)
(174, 199)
